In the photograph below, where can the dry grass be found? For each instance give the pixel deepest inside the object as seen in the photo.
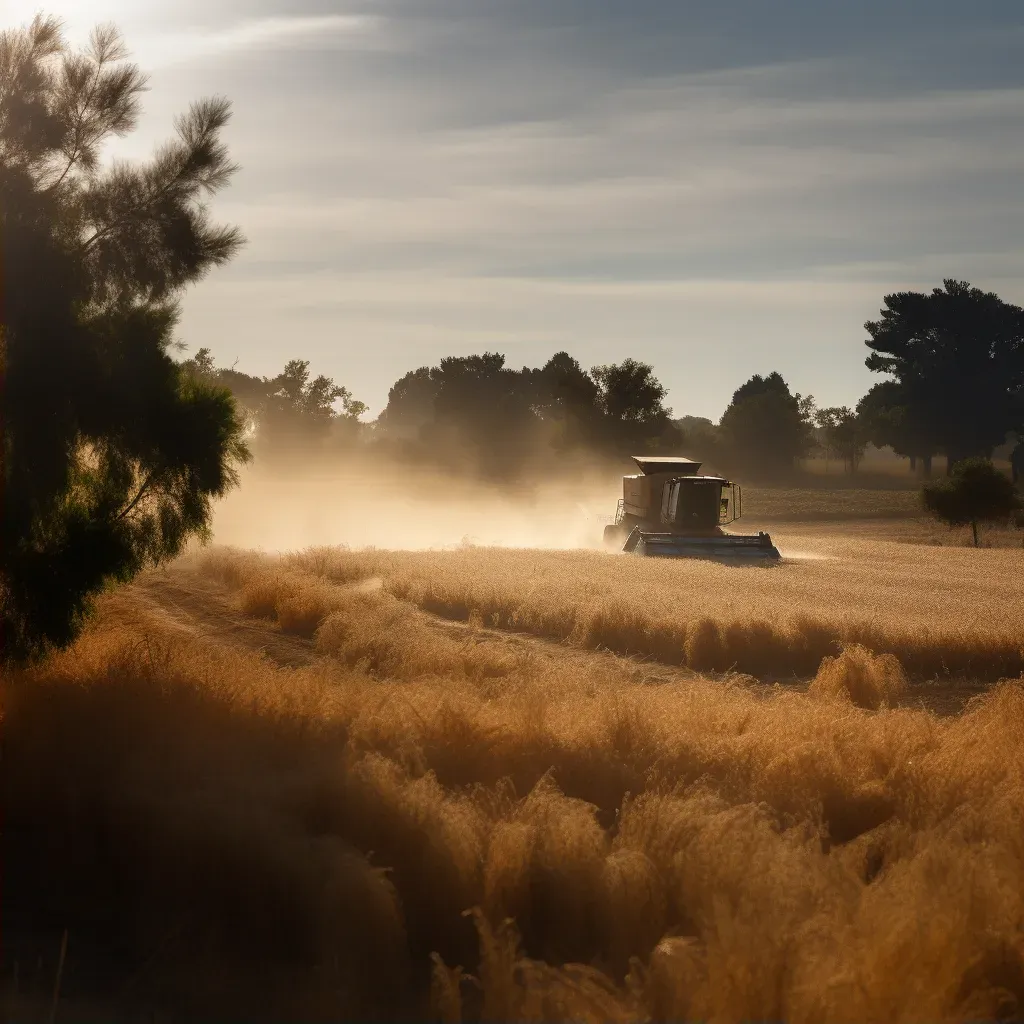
(829, 504)
(923, 532)
(940, 612)
(246, 841)
(884, 514)
(868, 680)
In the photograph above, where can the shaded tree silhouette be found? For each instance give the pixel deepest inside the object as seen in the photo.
(890, 420)
(843, 433)
(484, 408)
(974, 492)
(957, 355)
(111, 452)
(477, 408)
(289, 410)
(632, 400)
(567, 399)
(766, 428)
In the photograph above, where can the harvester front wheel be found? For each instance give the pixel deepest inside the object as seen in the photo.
(614, 538)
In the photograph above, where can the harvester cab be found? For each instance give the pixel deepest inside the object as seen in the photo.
(669, 510)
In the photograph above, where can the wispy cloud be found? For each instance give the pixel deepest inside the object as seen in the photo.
(705, 186)
(326, 31)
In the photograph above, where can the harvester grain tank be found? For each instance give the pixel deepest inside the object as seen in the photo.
(670, 510)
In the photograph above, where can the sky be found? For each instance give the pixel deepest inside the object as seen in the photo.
(719, 188)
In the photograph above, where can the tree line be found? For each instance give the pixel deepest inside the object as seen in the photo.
(471, 412)
(288, 413)
(953, 359)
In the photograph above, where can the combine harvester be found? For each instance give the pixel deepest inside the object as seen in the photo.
(669, 511)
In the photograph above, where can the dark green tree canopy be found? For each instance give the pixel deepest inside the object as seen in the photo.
(957, 355)
(468, 410)
(483, 411)
(771, 384)
(699, 438)
(843, 434)
(482, 391)
(566, 387)
(630, 393)
(567, 400)
(476, 404)
(294, 396)
(766, 427)
(286, 413)
(111, 453)
(974, 492)
(410, 404)
(632, 400)
(889, 418)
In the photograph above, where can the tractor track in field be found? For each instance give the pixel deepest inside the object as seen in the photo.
(208, 609)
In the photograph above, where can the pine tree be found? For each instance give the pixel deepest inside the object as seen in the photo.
(111, 452)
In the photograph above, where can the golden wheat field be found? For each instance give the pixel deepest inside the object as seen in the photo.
(494, 784)
(940, 611)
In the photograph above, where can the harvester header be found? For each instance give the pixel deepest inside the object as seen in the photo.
(670, 510)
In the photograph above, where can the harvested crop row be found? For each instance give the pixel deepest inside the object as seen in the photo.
(940, 612)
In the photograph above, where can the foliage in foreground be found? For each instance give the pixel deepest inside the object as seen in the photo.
(262, 843)
(109, 455)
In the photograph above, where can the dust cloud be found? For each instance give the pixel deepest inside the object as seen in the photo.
(801, 555)
(401, 508)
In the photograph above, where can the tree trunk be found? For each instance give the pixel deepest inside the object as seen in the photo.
(926, 466)
(954, 458)
(913, 463)
(974, 530)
